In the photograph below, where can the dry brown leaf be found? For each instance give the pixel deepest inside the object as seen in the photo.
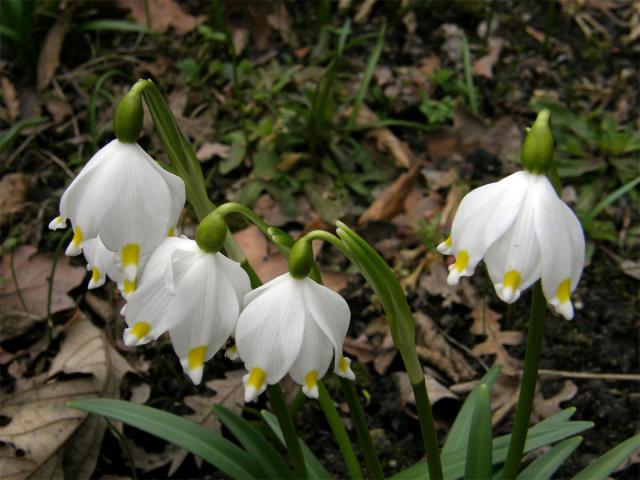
(434, 348)
(198, 128)
(436, 390)
(546, 407)
(386, 140)
(263, 256)
(13, 194)
(208, 150)
(363, 350)
(484, 65)
(49, 58)
(363, 11)
(59, 109)
(485, 323)
(32, 273)
(391, 201)
(163, 14)
(10, 99)
(41, 436)
(434, 281)
(104, 309)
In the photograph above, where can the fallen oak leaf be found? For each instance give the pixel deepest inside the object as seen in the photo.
(49, 58)
(43, 438)
(10, 99)
(13, 195)
(32, 271)
(484, 65)
(163, 14)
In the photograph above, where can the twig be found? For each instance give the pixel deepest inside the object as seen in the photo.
(629, 377)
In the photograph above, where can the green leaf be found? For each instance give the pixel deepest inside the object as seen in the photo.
(458, 436)
(9, 135)
(254, 443)
(314, 467)
(544, 433)
(478, 462)
(213, 448)
(114, 25)
(545, 465)
(237, 153)
(602, 467)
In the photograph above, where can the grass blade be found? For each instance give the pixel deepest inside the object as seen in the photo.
(213, 448)
(114, 26)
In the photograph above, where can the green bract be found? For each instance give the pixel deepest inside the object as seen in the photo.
(127, 121)
(300, 259)
(211, 233)
(537, 149)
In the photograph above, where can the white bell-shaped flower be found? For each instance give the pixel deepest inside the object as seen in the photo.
(127, 199)
(195, 295)
(291, 325)
(524, 232)
(103, 263)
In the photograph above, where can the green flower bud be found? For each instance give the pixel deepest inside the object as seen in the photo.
(537, 149)
(127, 121)
(211, 233)
(301, 259)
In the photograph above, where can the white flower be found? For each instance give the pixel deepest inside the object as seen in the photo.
(524, 232)
(291, 325)
(103, 263)
(194, 295)
(127, 199)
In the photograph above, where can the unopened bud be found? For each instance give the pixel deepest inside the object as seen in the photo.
(537, 149)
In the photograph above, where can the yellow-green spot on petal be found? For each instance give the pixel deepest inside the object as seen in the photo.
(564, 290)
(129, 286)
(172, 232)
(447, 242)
(512, 279)
(311, 379)
(233, 348)
(77, 237)
(462, 260)
(95, 274)
(195, 357)
(343, 364)
(140, 330)
(130, 254)
(256, 378)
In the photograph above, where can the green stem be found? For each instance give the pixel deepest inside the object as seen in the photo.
(339, 432)
(362, 429)
(233, 207)
(428, 429)
(281, 410)
(528, 385)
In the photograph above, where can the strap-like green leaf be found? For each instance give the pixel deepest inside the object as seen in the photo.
(478, 462)
(545, 465)
(539, 435)
(458, 436)
(602, 467)
(254, 443)
(212, 447)
(315, 469)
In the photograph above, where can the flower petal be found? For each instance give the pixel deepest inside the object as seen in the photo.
(270, 328)
(482, 217)
(206, 301)
(513, 260)
(562, 247)
(313, 360)
(329, 311)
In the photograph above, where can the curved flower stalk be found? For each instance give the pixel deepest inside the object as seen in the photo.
(123, 196)
(292, 325)
(523, 231)
(192, 293)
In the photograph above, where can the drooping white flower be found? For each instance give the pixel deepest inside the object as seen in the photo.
(524, 232)
(126, 198)
(291, 325)
(103, 263)
(195, 295)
